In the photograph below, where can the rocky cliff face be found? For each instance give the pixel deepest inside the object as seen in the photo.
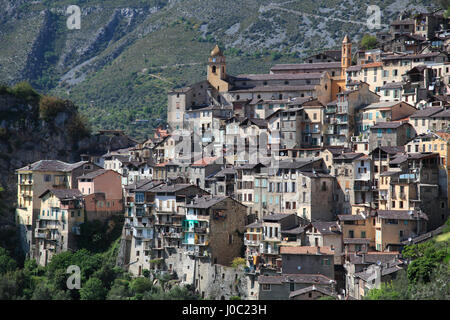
(26, 137)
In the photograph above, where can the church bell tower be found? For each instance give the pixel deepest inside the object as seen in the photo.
(217, 70)
(346, 60)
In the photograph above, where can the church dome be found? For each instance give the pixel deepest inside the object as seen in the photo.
(216, 51)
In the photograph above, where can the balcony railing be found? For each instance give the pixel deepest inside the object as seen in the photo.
(166, 211)
(251, 242)
(200, 230)
(172, 235)
(360, 138)
(270, 250)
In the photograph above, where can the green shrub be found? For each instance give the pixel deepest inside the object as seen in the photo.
(238, 262)
(368, 42)
(24, 90)
(93, 290)
(49, 107)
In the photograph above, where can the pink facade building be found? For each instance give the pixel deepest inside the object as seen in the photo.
(102, 191)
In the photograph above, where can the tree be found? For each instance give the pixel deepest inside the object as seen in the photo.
(120, 290)
(42, 292)
(6, 262)
(8, 287)
(368, 42)
(386, 292)
(25, 91)
(141, 285)
(437, 289)
(93, 290)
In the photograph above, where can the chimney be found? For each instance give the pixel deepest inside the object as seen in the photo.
(377, 277)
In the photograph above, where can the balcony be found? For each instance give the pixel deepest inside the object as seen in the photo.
(251, 242)
(141, 225)
(330, 110)
(198, 254)
(360, 138)
(26, 182)
(341, 121)
(26, 194)
(166, 211)
(174, 235)
(270, 250)
(40, 235)
(170, 245)
(200, 230)
(271, 239)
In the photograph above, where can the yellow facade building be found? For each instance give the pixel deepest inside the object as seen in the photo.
(58, 222)
(33, 180)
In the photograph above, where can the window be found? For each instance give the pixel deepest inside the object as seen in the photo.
(363, 234)
(291, 286)
(266, 287)
(47, 178)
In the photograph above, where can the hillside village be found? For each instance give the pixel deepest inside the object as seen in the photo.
(302, 183)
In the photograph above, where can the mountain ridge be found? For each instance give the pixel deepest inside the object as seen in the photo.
(129, 54)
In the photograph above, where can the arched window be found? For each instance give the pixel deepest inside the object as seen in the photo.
(280, 96)
(223, 69)
(213, 69)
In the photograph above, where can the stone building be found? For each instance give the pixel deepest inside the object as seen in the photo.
(307, 260)
(326, 234)
(211, 228)
(279, 287)
(390, 134)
